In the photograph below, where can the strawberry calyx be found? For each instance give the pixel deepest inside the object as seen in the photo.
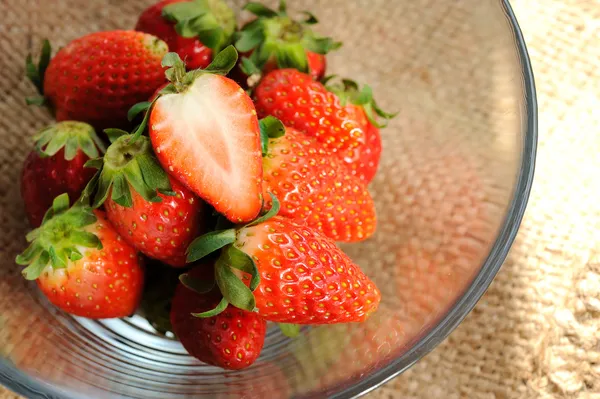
(60, 239)
(231, 263)
(70, 135)
(180, 80)
(348, 91)
(270, 128)
(211, 21)
(36, 73)
(128, 163)
(273, 34)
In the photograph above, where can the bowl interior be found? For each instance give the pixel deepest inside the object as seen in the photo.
(450, 164)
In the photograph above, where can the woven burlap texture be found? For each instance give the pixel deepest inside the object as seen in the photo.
(535, 334)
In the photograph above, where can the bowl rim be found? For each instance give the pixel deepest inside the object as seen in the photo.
(25, 385)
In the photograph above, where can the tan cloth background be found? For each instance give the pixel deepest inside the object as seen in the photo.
(535, 334)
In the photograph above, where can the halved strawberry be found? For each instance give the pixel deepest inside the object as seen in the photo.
(205, 133)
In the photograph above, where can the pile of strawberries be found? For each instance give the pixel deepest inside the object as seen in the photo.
(164, 154)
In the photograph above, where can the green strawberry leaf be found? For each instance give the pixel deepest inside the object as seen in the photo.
(85, 239)
(36, 73)
(154, 175)
(209, 243)
(259, 10)
(113, 134)
(39, 101)
(135, 110)
(310, 18)
(282, 7)
(238, 259)
(250, 38)
(213, 312)
(34, 270)
(182, 11)
(272, 212)
(248, 67)
(232, 288)
(270, 128)
(223, 62)
(289, 330)
(120, 191)
(142, 126)
(291, 56)
(197, 285)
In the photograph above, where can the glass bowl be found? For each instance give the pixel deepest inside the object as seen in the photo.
(452, 187)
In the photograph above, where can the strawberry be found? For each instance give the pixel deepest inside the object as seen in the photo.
(192, 29)
(231, 339)
(297, 275)
(98, 77)
(57, 166)
(151, 210)
(338, 117)
(314, 186)
(81, 263)
(205, 132)
(274, 40)
(366, 158)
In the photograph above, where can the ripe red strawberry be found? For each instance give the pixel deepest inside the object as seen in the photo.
(81, 263)
(315, 187)
(151, 210)
(274, 40)
(298, 275)
(98, 77)
(205, 132)
(192, 29)
(339, 121)
(231, 339)
(56, 166)
(366, 158)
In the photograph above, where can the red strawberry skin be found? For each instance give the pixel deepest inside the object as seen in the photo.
(160, 230)
(306, 105)
(191, 50)
(105, 283)
(98, 77)
(208, 138)
(44, 178)
(315, 187)
(305, 278)
(363, 161)
(232, 340)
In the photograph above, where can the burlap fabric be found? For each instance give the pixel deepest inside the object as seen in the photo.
(535, 333)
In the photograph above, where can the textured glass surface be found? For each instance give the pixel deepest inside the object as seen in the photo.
(452, 186)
